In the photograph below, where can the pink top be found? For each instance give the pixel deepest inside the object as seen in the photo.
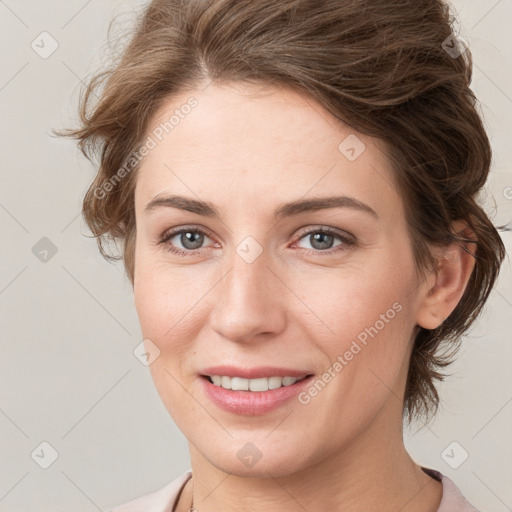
(165, 499)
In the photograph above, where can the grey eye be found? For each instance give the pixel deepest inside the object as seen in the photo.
(321, 240)
(190, 239)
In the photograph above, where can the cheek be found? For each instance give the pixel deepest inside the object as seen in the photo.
(170, 303)
(360, 300)
(368, 335)
(163, 300)
(363, 321)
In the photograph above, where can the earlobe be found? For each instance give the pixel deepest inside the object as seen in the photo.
(455, 265)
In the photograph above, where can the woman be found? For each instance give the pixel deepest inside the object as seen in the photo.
(294, 184)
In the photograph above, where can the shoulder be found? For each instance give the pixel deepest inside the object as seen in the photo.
(452, 499)
(161, 500)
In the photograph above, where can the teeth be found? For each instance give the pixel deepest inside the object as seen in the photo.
(261, 384)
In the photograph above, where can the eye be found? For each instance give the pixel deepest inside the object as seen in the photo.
(322, 239)
(190, 238)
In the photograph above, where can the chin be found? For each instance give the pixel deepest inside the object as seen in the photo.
(277, 468)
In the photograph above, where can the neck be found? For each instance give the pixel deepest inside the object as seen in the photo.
(361, 477)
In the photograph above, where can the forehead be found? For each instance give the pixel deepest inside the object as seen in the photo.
(239, 141)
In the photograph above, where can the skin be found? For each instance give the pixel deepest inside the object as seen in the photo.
(248, 150)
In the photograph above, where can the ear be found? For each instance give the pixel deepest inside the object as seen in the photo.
(443, 289)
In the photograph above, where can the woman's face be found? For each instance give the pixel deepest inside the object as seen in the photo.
(253, 290)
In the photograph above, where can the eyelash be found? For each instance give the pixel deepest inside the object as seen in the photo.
(347, 241)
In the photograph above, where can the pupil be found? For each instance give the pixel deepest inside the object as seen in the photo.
(193, 238)
(321, 237)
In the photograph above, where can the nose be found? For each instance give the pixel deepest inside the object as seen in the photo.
(251, 301)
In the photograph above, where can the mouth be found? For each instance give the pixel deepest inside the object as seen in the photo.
(253, 392)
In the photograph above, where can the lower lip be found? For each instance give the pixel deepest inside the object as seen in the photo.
(252, 403)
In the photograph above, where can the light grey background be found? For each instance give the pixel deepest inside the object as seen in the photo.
(68, 374)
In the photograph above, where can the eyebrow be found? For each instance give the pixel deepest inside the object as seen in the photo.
(207, 209)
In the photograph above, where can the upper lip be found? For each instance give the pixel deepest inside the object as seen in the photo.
(254, 373)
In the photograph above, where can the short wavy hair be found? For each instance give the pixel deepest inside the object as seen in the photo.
(390, 69)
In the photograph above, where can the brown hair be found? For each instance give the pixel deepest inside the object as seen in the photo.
(390, 69)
